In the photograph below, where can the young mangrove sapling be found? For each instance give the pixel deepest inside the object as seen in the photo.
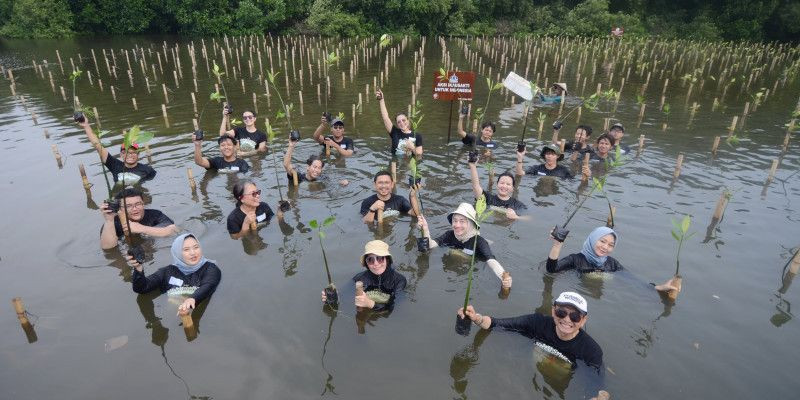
(331, 296)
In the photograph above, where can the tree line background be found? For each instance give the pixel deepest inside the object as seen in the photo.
(754, 20)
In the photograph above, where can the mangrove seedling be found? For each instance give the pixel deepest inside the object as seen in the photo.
(286, 110)
(110, 200)
(218, 73)
(330, 59)
(385, 40)
(283, 205)
(133, 136)
(331, 296)
(414, 177)
(79, 114)
(480, 112)
(680, 233)
(463, 324)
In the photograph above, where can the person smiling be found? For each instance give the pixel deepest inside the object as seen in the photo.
(503, 200)
(228, 162)
(142, 220)
(129, 165)
(190, 273)
(485, 139)
(551, 154)
(382, 284)
(463, 236)
(336, 140)
(251, 139)
(250, 211)
(404, 139)
(386, 201)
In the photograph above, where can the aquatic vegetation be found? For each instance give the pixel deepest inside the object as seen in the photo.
(480, 216)
(480, 112)
(283, 204)
(218, 73)
(680, 234)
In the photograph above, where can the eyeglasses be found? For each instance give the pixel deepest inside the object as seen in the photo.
(131, 206)
(371, 259)
(249, 117)
(255, 193)
(574, 316)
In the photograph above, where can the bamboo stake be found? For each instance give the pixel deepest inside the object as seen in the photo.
(721, 204)
(678, 164)
(22, 316)
(135, 106)
(715, 145)
(393, 168)
(733, 124)
(57, 155)
(786, 142)
(772, 171)
(359, 291)
(295, 179)
(612, 214)
(584, 176)
(86, 184)
(164, 112)
(190, 176)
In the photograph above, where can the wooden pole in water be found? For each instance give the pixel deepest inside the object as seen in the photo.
(733, 124)
(641, 142)
(584, 176)
(678, 164)
(393, 167)
(57, 155)
(715, 145)
(721, 204)
(380, 216)
(504, 291)
(772, 170)
(22, 316)
(190, 176)
(786, 142)
(86, 184)
(164, 112)
(188, 325)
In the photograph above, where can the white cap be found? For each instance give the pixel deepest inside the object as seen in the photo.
(573, 299)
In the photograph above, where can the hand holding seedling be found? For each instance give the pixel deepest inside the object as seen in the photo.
(559, 234)
(362, 300)
(379, 95)
(186, 307)
(133, 263)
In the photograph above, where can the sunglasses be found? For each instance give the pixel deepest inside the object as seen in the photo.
(338, 126)
(371, 259)
(574, 316)
(255, 193)
(249, 117)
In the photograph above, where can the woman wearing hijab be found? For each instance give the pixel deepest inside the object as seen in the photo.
(594, 256)
(381, 282)
(462, 237)
(190, 274)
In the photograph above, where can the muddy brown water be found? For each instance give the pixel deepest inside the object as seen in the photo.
(265, 334)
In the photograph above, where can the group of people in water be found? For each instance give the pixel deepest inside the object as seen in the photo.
(195, 277)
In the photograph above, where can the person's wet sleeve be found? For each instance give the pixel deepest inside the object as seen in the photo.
(208, 283)
(145, 284)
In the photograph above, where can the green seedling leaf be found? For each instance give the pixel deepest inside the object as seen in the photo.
(216, 70)
(442, 75)
(675, 235)
(675, 224)
(321, 234)
(497, 86)
(328, 221)
(75, 75)
(666, 109)
(480, 206)
(103, 133)
(216, 96)
(331, 58)
(313, 223)
(685, 224)
(280, 115)
(235, 122)
(271, 77)
(340, 115)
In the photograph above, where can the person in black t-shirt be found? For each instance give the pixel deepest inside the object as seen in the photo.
(463, 237)
(228, 162)
(382, 284)
(617, 131)
(389, 203)
(250, 211)
(488, 129)
(560, 334)
(251, 139)
(551, 154)
(190, 274)
(343, 145)
(129, 166)
(404, 139)
(503, 200)
(580, 144)
(313, 172)
(142, 221)
(594, 255)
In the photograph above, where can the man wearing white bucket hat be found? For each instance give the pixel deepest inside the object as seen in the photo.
(462, 237)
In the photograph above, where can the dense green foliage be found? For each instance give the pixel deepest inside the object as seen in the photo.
(754, 20)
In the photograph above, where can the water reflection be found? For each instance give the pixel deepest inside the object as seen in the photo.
(783, 309)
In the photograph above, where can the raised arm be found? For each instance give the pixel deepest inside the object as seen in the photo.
(93, 139)
(338, 148)
(108, 234)
(412, 198)
(198, 155)
(387, 122)
(520, 161)
(224, 124)
(423, 223)
(476, 183)
(320, 129)
(461, 131)
(287, 158)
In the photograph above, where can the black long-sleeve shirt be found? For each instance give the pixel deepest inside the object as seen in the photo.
(205, 279)
(390, 282)
(579, 263)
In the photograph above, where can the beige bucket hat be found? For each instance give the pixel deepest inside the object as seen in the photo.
(377, 247)
(468, 211)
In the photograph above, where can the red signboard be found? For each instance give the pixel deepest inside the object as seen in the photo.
(457, 85)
